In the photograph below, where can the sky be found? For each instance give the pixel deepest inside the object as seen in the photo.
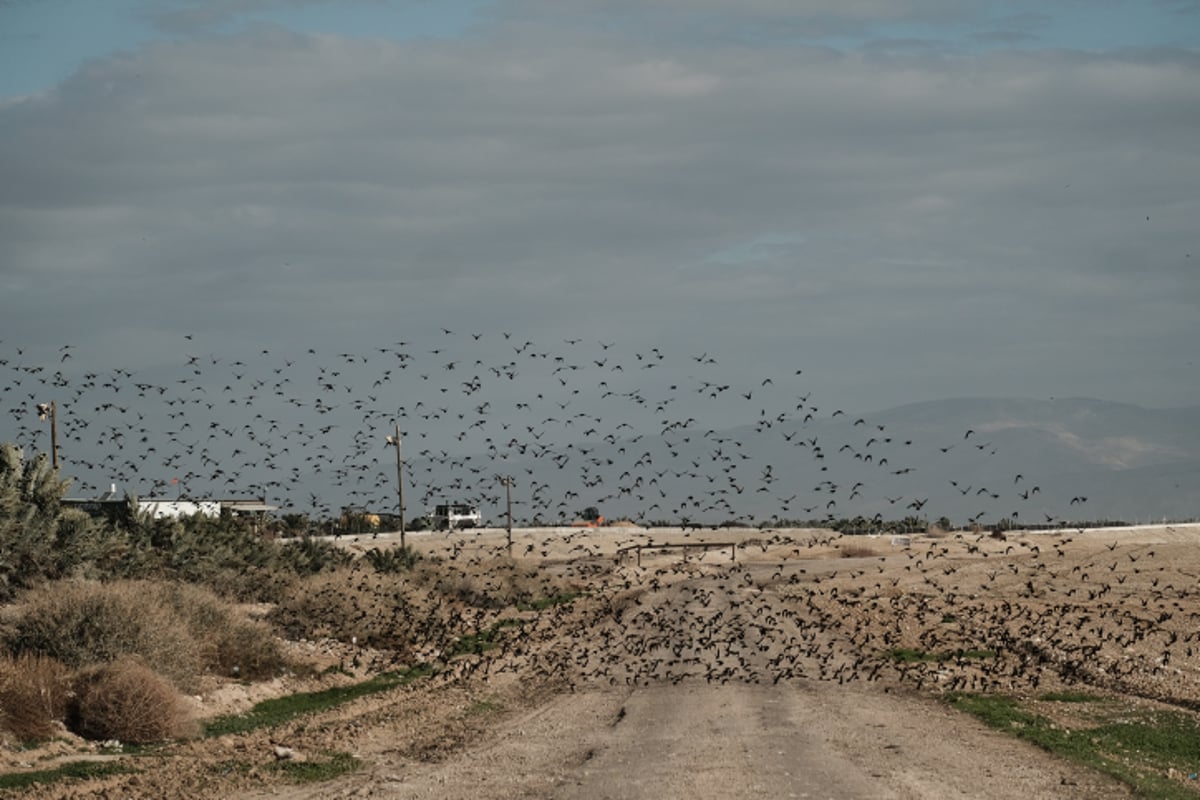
(905, 199)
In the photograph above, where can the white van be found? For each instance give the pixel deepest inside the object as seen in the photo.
(449, 516)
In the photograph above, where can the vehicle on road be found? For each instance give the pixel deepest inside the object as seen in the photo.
(449, 516)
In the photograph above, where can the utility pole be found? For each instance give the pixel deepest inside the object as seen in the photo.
(507, 480)
(51, 410)
(395, 441)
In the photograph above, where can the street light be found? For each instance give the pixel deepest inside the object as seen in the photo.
(394, 441)
(508, 482)
(50, 410)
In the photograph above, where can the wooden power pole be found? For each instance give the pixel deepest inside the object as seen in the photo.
(50, 410)
(395, 441)
(507, 480)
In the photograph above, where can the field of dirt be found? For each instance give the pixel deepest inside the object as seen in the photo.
(748, 663)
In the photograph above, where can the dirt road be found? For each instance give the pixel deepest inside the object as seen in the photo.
(702, 741)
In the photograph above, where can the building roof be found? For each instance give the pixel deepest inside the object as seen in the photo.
(248, 505)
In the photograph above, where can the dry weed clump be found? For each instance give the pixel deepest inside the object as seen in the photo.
(494, 584)
(33, 696)
(179, 631)
(856, 551)
(228, 645)
(381, 610)
(84, 623)
(128, 701)
(424, 609)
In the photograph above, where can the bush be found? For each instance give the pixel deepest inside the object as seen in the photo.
(228, 645)
(128, 701)
(248, 651)
(179, 631)
(84, 623)
(395, 559)
(30, 503)
(308, 556)
(494, 584)
(381, 610)
(220, 553)
(42, 540)
(33, 696)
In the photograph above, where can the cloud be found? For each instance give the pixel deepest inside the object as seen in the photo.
(274, 185)
(191, 17)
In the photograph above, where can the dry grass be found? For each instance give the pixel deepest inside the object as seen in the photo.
(856, 551)
(415, 613)
(378, 609)
(33, 696)
(495, 584)
(228, 645)
(84, 623)
(178, 630)
(128, 701)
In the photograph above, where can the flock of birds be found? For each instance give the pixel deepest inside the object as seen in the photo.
(640, 434)
(964, 612)
(667, 437)
(959, 612)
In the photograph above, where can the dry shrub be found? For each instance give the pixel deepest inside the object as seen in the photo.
(383, 610)
(250, 584)
(494, 584)
(83, 623)
(225, 640)
(128, 701)
(856, 551)
(33, 696)
(426, 608)
(180, 631)
(248, 650)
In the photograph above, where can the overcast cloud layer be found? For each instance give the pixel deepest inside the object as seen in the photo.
(904, 218)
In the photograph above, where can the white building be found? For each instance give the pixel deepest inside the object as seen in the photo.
(174, 509)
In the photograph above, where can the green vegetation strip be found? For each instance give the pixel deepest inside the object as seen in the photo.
(480, 707)
(481, 641)
(279, 710)
(908, 655)
(1136, 746)
(312, 771)
(73, 769)
(484, 640)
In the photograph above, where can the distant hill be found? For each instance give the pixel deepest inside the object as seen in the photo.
(1036, 461)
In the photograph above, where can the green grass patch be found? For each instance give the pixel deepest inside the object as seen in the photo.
(483, 706)
(481, 641)
(314, 771)
(1072, 697)
(279, 710)
(909, 655)
(74, 770)
(1135, 746)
